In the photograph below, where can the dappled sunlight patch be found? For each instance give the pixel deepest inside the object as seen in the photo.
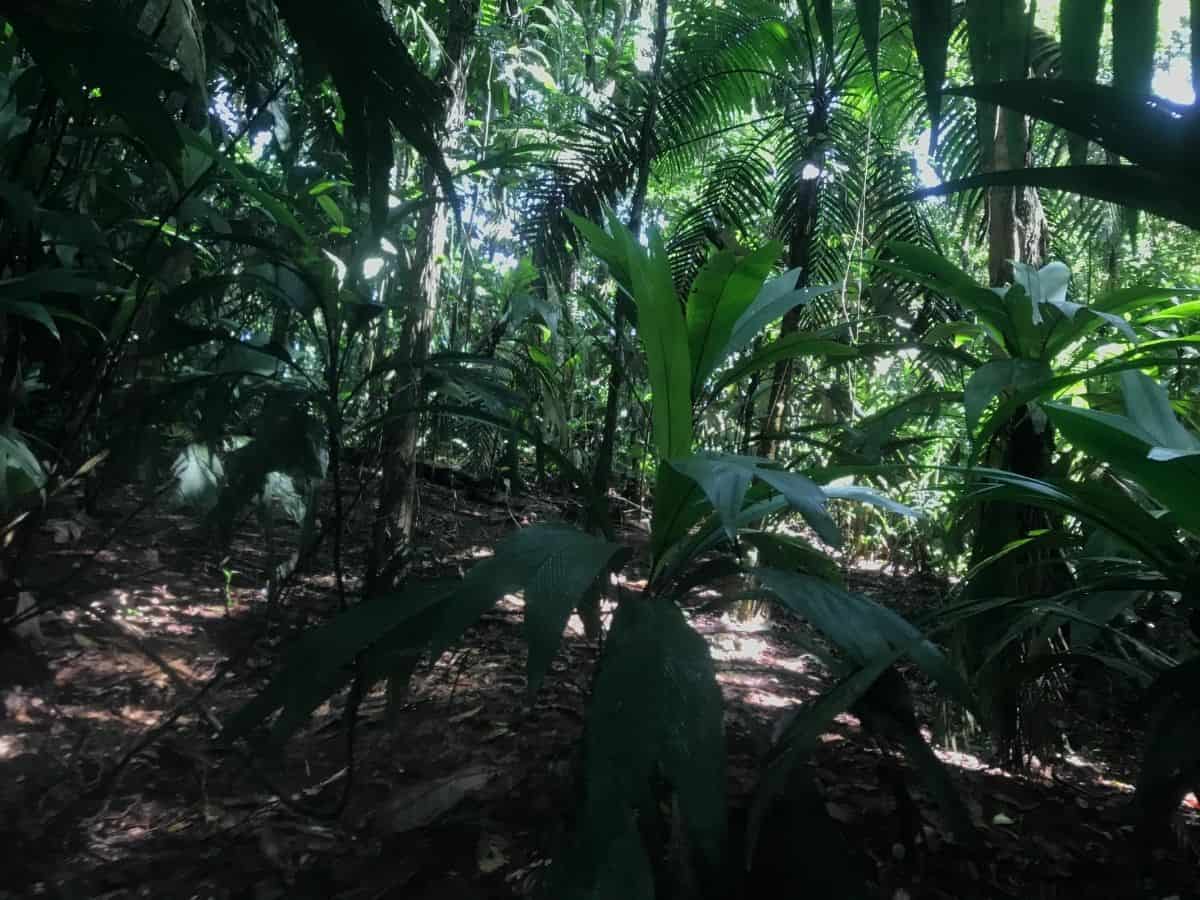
(11, 746)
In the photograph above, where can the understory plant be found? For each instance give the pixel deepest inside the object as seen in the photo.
(653, 817)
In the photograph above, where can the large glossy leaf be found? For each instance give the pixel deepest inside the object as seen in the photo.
(424, 618)
(656, 713)
(936, 272)
(992, 379)
(20, 471)
(663, 332)
(1172, 480)
(721, 293)
(776, 298)
(862, 629)
(1148, 405)
(724, 479)
(573, 563)
(862, 494)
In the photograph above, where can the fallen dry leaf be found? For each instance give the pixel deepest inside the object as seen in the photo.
(417, 805)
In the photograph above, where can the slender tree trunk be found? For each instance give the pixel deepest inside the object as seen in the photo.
(1017, 232)
(602, 473)
(395, 517)
(799, 256)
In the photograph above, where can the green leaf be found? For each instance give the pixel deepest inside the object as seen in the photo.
(868, 12)
(663, 332)
(724, 482)
(776, 298)
(332, 210)
(932, 21)
(800, 737)
(656, 712)
(861, 628)
(793, 554)
(724, 479)
(1174, 483)
(790, 346)
(389, 630)
(35, 312)
(862, 494)
(936, 272)
(20, 471)
(992, 379)
(573, 563)
(1149, 406)
(721, 293)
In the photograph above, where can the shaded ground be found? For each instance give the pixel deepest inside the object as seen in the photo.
(112, 785)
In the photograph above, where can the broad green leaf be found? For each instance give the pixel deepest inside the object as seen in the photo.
(724, 479)
(677, 507)
(866, 495)
(724, 482)
(1134, 186)
(994, 378)
(801, 735)
(656, 711)
(35, 312)
(793, 554)
(1186, 310)
(607, 247)
(861, 628)
(663, 333)
(777, 298)
(573, 563)
(790, 346)
(1149, 406)
(934, 271)
(1174, 483)
(721, 293)
(426, 618)
(20, 471)
(331, 209)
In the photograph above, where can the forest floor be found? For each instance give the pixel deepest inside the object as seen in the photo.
(113, 782)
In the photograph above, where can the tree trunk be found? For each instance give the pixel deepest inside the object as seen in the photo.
(799, 256)
(602, 473)
(1016, 233)
(395, 516)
